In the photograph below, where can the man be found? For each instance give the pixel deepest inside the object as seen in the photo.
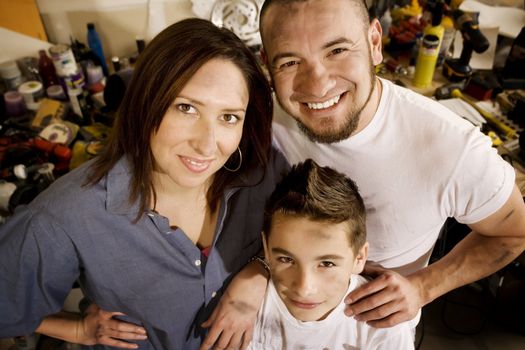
(415, 162)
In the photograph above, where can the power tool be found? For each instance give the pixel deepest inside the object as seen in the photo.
(457, 69)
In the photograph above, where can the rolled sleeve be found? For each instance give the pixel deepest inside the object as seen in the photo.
(38, 266)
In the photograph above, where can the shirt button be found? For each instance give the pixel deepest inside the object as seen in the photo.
(213, 294)
(197, 262)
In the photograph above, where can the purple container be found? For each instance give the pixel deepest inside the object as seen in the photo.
(14, 103)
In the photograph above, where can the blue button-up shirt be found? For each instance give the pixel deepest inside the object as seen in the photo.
(147, 270)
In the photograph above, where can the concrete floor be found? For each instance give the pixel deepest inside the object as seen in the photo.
(468, 319)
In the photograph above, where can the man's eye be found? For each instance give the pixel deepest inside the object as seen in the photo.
(327, 264)
(338, 51)
(288, 64)
(186, 108)
(230, 118)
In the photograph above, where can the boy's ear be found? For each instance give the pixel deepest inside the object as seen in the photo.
(360, 259)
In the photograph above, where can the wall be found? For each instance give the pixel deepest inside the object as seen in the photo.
(118, 22)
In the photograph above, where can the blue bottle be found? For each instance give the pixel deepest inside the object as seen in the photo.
(95, 44)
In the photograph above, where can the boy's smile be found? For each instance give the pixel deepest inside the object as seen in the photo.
(311, 264)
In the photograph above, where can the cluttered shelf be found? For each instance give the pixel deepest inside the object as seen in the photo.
(437, 50)
(56, 113)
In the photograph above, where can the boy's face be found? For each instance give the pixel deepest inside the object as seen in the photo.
(311, 264)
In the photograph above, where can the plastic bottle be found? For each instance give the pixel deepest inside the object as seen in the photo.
(426, 61)
(46, 69)
(95, 44)
(429, 49)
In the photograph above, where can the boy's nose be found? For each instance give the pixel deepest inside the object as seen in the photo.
(305, 284)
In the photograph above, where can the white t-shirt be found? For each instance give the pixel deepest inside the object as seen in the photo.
(277, 329)
(416, 164)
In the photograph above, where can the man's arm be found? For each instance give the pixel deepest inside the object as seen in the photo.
(494, 242)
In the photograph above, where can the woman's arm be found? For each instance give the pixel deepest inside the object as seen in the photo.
(96, 326)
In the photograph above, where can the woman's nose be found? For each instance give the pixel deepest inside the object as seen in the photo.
(204, 138)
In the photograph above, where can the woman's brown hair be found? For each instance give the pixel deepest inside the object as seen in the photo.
(161, 72)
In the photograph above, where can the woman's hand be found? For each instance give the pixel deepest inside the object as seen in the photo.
(99, 327)
(233, 319)
(95, 327)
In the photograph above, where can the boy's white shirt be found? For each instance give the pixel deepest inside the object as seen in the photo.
(277, 329)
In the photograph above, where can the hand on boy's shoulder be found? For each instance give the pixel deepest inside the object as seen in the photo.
(385, 300)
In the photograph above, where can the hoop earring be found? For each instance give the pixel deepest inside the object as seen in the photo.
(238, 166)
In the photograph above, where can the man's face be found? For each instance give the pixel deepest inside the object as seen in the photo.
(311, 264)
(321, 59)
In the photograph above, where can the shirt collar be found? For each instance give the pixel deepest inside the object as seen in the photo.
(118, 183)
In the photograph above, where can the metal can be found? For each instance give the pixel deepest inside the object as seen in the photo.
(63, 59)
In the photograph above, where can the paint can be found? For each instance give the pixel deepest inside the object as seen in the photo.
(14, 103)
(32, 92)
(11, 74)
(56, 92)
(63, 59)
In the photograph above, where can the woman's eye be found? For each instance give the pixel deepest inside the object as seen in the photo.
(327, 264)
(230, 118)
(284, 260)
(186, 108)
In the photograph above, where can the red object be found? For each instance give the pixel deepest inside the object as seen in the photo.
(46, 69)
(61, 152)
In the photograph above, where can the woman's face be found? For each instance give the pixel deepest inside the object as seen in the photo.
(202, 128)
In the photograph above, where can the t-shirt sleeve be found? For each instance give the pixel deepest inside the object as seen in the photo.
(38, 266)
(482, 182)
(398, 337)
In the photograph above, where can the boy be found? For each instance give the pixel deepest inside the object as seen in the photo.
(315, 244)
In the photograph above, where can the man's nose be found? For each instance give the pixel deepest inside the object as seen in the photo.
(315, 80)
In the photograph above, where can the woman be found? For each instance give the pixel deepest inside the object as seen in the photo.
(156, 226)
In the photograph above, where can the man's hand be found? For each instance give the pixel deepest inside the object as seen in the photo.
(385, 301)
(233, 319)
(99, 327)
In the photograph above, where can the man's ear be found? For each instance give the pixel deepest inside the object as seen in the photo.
(375, 38)
(360, 259)
(264, 57)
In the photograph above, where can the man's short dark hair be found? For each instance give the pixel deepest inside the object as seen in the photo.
(319, 194)
(268, 3)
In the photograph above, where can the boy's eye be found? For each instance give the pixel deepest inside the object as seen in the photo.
(284, 260)
(327, 264)
(185, 108)
(230, 118)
